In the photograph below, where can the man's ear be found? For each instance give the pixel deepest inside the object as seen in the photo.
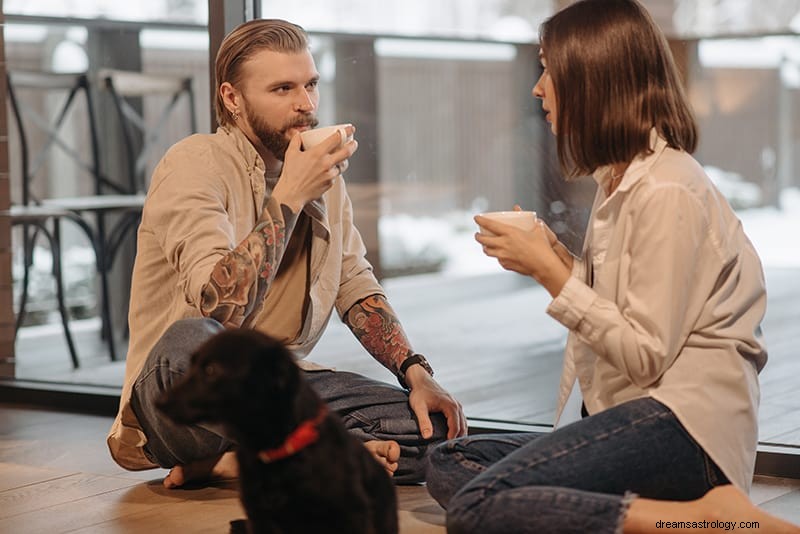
(230, 97)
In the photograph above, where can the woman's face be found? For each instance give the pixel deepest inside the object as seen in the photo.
(544, 89)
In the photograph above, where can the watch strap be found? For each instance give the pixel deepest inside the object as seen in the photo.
(408, 362)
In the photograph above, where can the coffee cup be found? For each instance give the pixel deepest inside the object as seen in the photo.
(315, 136)
(525, 220)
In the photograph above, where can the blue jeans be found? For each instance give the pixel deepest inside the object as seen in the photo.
(369, 409)
(580, 478)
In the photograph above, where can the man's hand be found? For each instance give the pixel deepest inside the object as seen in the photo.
(427, 397)
(307, 174)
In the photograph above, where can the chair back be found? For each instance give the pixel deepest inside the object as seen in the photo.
(54, 117)
(148, 106)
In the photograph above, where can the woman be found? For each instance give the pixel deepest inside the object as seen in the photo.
(663, 310)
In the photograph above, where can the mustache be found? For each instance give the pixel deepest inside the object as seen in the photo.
(310, 120)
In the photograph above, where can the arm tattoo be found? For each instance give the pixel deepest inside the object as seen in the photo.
(235, 292)
(376, 326)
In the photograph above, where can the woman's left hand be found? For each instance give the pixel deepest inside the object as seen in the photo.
(529, 253)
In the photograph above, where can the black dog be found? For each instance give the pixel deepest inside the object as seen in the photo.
(300, 471)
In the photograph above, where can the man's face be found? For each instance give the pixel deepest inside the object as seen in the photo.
(279, 97)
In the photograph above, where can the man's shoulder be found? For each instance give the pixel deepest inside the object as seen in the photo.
(197, 145)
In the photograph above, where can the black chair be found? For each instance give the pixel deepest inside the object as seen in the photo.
(44, 221)
(41, 135)
(147, 107)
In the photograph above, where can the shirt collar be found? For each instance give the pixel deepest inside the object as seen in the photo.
(637, 168)
(252, 160)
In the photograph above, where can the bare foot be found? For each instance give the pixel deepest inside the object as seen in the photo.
(215, 468)
(386, 452)
(728, 503)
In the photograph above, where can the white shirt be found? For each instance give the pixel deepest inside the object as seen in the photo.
(667, 302)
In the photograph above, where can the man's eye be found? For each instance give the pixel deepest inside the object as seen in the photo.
(312, 85)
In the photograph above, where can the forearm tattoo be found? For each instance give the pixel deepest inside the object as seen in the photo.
(235, 292)
(376, 326)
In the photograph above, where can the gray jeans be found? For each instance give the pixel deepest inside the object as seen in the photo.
(370, 410)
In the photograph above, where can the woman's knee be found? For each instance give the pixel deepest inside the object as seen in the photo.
(462, 516)
(440, 477)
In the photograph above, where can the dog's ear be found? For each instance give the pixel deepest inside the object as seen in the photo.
(278, 363)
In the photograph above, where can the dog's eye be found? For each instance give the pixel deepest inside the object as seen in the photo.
(210, 370)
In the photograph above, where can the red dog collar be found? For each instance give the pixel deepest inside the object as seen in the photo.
(300, 438)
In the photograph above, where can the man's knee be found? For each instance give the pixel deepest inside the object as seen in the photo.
(190, 333)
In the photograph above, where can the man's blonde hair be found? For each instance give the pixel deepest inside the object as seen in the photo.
(246, 40)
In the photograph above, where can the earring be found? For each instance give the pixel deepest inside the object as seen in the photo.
(235, 115)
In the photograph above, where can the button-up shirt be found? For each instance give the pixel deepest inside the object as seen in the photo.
(667, 302)
(206, 195)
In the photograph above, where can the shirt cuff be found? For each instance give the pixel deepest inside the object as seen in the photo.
(572, 303)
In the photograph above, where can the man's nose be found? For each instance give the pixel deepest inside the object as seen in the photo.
(304, 102)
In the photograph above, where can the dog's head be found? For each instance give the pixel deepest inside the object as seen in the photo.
(239, 378)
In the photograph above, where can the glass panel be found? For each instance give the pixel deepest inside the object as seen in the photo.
(40, 40)
(509, 20)
(440, 94)
(458, 133)
(188, 11)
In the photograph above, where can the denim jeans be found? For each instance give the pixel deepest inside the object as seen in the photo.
(580, 478)
(370, 410)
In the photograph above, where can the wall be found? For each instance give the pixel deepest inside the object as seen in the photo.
(6, 309)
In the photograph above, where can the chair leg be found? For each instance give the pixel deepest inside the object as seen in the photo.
(27, 261)
(107, 329)
(55, 248)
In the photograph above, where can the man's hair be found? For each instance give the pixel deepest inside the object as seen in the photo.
(615, 79)
(246, 40)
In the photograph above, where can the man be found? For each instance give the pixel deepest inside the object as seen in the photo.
(243, 228)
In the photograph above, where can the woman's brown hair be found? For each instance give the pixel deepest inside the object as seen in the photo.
(246, 40)
(615, 79)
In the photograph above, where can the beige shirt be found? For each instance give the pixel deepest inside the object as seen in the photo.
(206, 196)
(286, 303)
(674, 309)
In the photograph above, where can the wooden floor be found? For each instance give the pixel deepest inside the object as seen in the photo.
(56, 476)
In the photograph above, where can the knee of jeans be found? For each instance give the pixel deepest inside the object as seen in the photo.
(461, 515)
(192, 329)
(183, 337)
(438, 480)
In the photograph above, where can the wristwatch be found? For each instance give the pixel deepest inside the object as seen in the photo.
(408, 362)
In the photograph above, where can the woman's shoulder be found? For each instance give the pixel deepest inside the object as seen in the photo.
(680, 171)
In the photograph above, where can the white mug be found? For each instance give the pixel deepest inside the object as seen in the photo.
(315, 136)
(524, 220)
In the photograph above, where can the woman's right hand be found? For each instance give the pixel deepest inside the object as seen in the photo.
(307, 174)
(536, 253)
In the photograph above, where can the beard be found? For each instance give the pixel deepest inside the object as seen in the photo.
(275, 140)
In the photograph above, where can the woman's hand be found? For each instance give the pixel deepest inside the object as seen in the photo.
(536, 253)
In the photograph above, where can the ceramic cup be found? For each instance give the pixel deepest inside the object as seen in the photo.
(521, 219)
(317, 135)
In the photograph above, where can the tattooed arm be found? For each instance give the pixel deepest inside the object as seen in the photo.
(374, 323)
(240, 280)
